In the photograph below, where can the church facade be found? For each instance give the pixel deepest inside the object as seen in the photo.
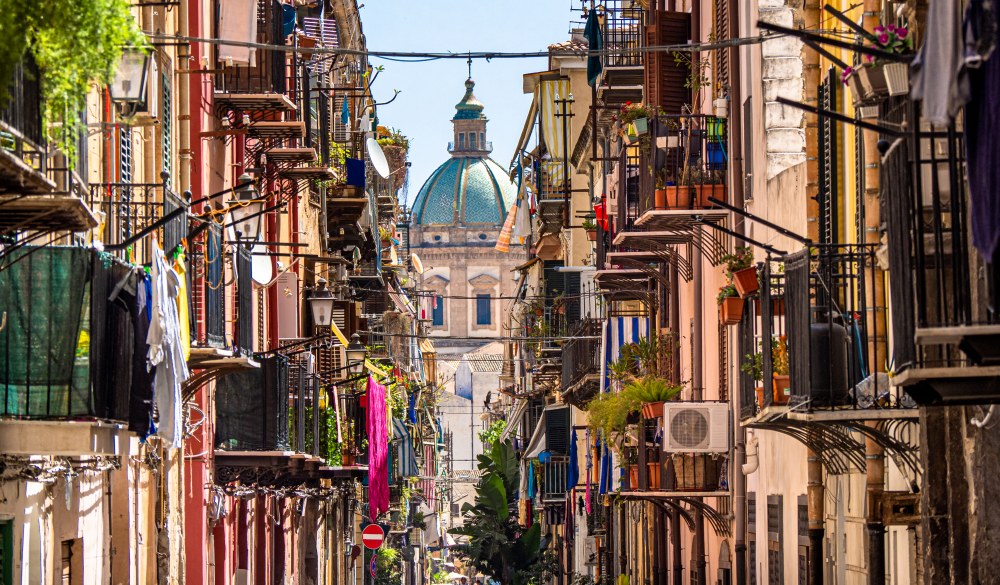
(455, 221)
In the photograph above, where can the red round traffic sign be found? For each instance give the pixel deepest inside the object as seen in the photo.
(372, 536)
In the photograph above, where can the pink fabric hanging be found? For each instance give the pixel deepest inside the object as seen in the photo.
(378, 435)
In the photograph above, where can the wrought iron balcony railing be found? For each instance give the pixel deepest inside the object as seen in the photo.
(269, 69)
(471, 147)
(21, 129)
(126, 210)
(817, 334)
(245, 314)
(581, 353)
(555, 474)
(624, 33)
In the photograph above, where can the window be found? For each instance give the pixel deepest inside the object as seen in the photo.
(125, 154)
(482, 140)
(752, 537)
(775, 556)
(166, 124)
(483, 313)
(472, 140)
(461, 141)
(7, 551)
(437, 314)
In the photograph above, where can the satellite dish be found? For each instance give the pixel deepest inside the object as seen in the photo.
(260, 266)
(417, 264)
(377, 157)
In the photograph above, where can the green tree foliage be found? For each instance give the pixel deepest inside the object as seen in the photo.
(491, 434)
(388, 569)
(74, 44)
(497, 545)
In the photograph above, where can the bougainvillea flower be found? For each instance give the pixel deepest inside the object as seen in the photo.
(901, 32)
(883, 39)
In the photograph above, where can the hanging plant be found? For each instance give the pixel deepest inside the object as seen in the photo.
(74, 44)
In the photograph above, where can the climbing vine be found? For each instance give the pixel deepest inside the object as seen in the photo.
(73, 44)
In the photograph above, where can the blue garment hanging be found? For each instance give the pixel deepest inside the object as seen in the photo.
(602, 450)
(595, 43)
(345, 112)
(573, 474)
(531, 480)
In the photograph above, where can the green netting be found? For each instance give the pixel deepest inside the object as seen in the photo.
(42, 292)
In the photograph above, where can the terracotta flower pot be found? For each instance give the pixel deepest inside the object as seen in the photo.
(781, 388)
(759, 391)
(653, 475)
(731, 310)
(660, 199)
(592, 235)
(745, 281)
(633, 477)
(703, 192)
(347, 459)
(652, 410)
(678, 197)
(777, 306)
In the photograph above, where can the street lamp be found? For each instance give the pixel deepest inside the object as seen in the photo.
(129, 85)
(321, 303)
(247, 208)
(355, 356)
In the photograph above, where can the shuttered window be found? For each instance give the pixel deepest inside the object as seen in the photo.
(752, 537)
(720, 69)
(557, 430)
(483, 310)
(775, 556)
(166, 124)
(664, 79)
(125, 154)
(437, 315)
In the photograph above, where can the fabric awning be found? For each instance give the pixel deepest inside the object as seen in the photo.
(552, 126)
(529, 124)
(537, 443)
(514, 419)
(406, 455)
(401, 301)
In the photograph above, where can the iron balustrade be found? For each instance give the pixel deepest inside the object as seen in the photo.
(685, 156)
(581, 352)
(940, 280)
(21, 128)
(213, 292)
(486, 146)
(555, 474)
(624, 33)
(127, 209)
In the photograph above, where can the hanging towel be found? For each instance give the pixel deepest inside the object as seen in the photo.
(595, 43)
(573, 474)
(940, 77)
(166, 352)
(531, 480)
(982, 141)
(355, 172)
(503, 240)
(586, 483)
(238, 22)
(183, 311)
(378, 486)
(345, 112)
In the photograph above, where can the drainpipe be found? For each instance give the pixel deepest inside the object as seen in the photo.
(814, 492)
(875, 475)
(675, 544)
(740, 456)
(752, 463)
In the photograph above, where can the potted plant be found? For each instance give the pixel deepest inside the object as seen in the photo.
(651, 392)
(779, 364)
(741, 271)
(660, 193)
(630, 459)
(874, 79)
(753, 366)
(591, 229)
(385, 234)
(730, 305)
(652, 474)
(608, 414)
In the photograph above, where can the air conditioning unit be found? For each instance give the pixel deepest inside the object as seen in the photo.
(696, 427)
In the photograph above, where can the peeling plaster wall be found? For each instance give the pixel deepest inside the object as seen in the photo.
(782, 75)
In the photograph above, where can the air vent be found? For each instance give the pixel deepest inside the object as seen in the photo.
(701, 427)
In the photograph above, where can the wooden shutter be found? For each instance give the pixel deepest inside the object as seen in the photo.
(664, 78)
(557, 430)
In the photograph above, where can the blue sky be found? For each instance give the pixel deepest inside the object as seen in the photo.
(431, 89)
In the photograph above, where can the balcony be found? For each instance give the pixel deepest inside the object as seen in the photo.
(813, 342)
(245, 312)
(581, 359)
(35, 194)
(555, 476)
(132, 212)
(947, 332)
(67, 353)
(663, 185)
(260, 82)
(624, 36)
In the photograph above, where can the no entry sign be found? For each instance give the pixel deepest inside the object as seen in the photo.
(372, 536)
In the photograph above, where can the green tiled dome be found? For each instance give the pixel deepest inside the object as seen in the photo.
(476, 187)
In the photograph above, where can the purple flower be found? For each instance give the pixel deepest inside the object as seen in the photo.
(879, 29)
(869, 59)
(901, 32)
(891, 28)
(883, 39)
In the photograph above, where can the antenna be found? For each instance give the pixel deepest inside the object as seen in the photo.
(470, 65)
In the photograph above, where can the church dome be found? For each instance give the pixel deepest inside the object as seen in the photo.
(465, 190)
(470, 188)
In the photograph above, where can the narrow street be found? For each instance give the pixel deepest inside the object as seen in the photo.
(620, 292)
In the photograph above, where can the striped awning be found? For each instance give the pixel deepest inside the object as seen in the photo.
(552, 125)
(618, 332)
(406, 456)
